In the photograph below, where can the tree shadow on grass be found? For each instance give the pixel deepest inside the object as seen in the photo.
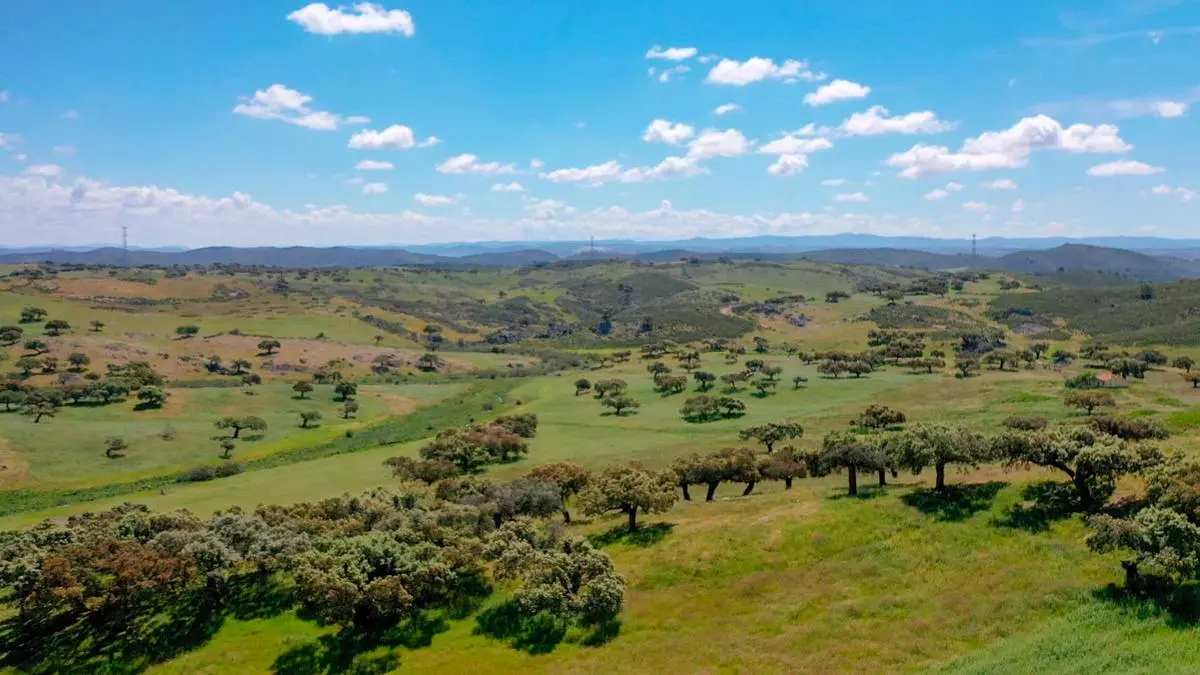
(114, 644)
(1052, 501)
(864, 492)
(646, 535)
(351, 651)
(537, 634)
(1181, 605)
(955, 503)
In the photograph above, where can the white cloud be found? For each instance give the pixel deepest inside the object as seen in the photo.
(793, 145)
(1183, 193)
(1124, 167)
(757, 69)
(70, 115)
(875, 121)
(9, 141)
(395, 137)
(1001, 184)
(726, 108)
(374, 188)
(278, 102)
(20, 157)
(45, 170)
(671, 133)
(788, 165)
(851, 197)
(838, 90)
(508, 187)
(1010, 148)
(548, 209)
(595, 174)
(1170, 108)
(665, 75)
(671, 53)
(715, 143)
(612, 171)
(536, 164)
(925, 159)
(64, 150)
(975, 207)
(434, 200)
(366, 17)
(372, 165)
(469, 163)
(4, 96)
(942, 193)
(1018, 206)
(1045, 133)
(357, 180)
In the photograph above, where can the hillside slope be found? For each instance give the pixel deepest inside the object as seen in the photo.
(1130, 264)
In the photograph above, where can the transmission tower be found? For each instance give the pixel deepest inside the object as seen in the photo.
(974, 253)
(125, 243)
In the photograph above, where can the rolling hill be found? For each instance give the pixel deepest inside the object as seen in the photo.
(1078, 257)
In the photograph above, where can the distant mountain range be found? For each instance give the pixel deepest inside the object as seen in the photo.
(1140, 259)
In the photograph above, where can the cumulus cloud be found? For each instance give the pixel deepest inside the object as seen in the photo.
(374, 188)
(975, 207)
(717, 143)
(4, 96)
(666, 74)
(851, 197)
(757, 69)
(612, 171)
(9, 141)
(671, 53)
(790, 144)
(395, 137)
(508, 187)
(363, 17)
(935, 195)
(1018, 206)
(833, 182)
(875, 121)
(434, 200)
(1010, 148)
(36, 211)
(64, 150)
(788, 165)
(1124, 167)
(671, 133)
(372, 165)
(838, 90)
(1000, 184)
(1183, 193)
(726, 108)
(469, 163)
(278, 102)
(45, 170)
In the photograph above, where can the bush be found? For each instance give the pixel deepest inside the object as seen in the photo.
(200, 474)
(1025, 422)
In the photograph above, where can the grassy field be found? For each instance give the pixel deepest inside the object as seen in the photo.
(800, 581)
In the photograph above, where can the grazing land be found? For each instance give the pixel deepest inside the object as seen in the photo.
(388, 452)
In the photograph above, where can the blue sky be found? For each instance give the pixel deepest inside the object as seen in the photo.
(243, 123)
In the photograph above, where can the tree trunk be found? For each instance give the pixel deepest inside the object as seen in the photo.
(712, 490)
(787, 483)
(566, 516)
(687, 495)
(771, 445)
(940, 485)
(853, 480)
(1085, 492)
(883, 478)
(749, 489)
(236, 431)
(632, 519)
